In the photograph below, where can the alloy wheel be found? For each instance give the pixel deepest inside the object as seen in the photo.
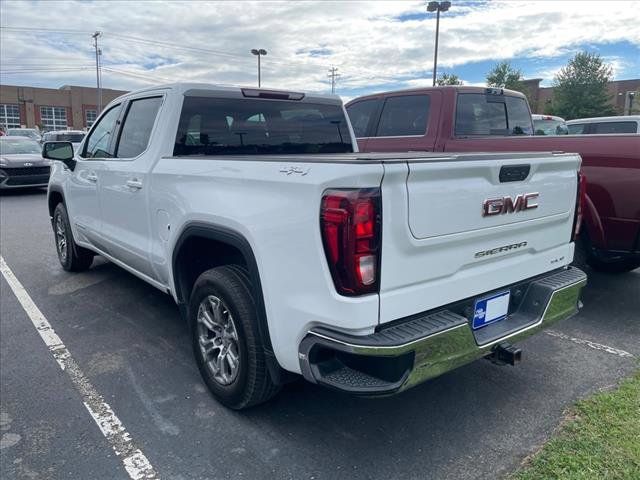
(218, 340)
(61, 238)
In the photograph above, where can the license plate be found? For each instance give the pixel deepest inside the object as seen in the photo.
(490, 309)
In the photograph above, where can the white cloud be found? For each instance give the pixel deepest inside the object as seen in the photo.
(367, 42)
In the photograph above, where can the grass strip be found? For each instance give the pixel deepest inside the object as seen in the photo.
(599, 440)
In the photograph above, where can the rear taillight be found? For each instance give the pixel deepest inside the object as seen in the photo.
(581, 196)
(350, 222)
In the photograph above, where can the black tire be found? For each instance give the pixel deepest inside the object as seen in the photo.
(584, 256)
(250, 384)
(581, 254)
(73, 258)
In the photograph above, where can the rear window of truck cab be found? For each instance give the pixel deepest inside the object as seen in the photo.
(235, 126)
(479, 114)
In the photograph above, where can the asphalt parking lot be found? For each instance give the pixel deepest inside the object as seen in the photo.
(129, 342)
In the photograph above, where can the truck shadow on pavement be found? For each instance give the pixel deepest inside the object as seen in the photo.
(478, 421)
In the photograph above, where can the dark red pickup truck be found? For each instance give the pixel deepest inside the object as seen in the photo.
(463, 119)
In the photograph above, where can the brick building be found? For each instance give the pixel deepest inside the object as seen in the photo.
(68, 107)
(619, 92)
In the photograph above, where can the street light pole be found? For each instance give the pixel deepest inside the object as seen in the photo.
(437, 7)
(259, 53)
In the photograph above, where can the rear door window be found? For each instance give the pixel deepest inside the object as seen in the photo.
(492, 115)
(360, 114)
(235, 126)
(403, 116)
(614, 127)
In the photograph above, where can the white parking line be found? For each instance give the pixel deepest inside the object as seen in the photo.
(134, 461)
(590, 344)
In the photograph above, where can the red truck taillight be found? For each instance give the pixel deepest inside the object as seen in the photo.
(581, 197)
(350, 222)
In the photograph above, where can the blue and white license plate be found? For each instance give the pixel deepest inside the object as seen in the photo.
(490, 309)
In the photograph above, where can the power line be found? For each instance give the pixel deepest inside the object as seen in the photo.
(48, 30)
(37, 66)
(160, 43)
(333, 75)
(46, 70)
(141, 76)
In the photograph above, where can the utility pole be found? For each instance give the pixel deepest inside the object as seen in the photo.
(98, 76)
(333, 75)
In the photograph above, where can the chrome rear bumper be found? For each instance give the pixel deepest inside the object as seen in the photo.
(423, 346)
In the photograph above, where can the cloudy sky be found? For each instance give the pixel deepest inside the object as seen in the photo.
(375, 45)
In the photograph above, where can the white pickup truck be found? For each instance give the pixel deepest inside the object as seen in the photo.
(289, 253)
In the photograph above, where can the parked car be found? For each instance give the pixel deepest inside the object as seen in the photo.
(21, 163)
(549, 125)
(31, 133)
(288, 253)
(73, 136)
(604, 125)
(468, 119)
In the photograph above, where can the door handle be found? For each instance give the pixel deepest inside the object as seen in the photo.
(92, 177)
(134, 183)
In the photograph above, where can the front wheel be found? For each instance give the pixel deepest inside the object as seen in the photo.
(72, 257)
(226, 341)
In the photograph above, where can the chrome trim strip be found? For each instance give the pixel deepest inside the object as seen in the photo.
(401, 347)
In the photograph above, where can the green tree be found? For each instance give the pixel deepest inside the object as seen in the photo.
(504, 75)
(448, 79)
(580, 88)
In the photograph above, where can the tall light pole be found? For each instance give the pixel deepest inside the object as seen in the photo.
(98, 81)
(437, 7)
(259, 53)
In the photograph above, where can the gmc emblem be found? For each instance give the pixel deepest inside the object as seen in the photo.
(497, 206)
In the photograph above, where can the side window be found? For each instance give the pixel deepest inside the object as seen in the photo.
(360, 115)
(577, 128)
(402, 116)
(614, 127)
(99, 141)
(138, 123)
(479, 114)
(518, 116)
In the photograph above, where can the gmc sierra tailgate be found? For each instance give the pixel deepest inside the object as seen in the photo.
(459, 226)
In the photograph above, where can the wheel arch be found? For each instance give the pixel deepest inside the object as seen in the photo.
(592, 224)
(54, 196)
(230, 241)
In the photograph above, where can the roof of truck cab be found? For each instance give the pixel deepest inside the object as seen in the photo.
(62, 132)
(184, 88)
(620, 118)
(446, 88)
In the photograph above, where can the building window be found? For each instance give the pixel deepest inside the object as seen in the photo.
(90, 117)
(10, 116)
(53, 118)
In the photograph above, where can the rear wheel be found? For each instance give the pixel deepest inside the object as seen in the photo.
(72, 257)
(226, 341)
(617, 266)
(584, 256)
